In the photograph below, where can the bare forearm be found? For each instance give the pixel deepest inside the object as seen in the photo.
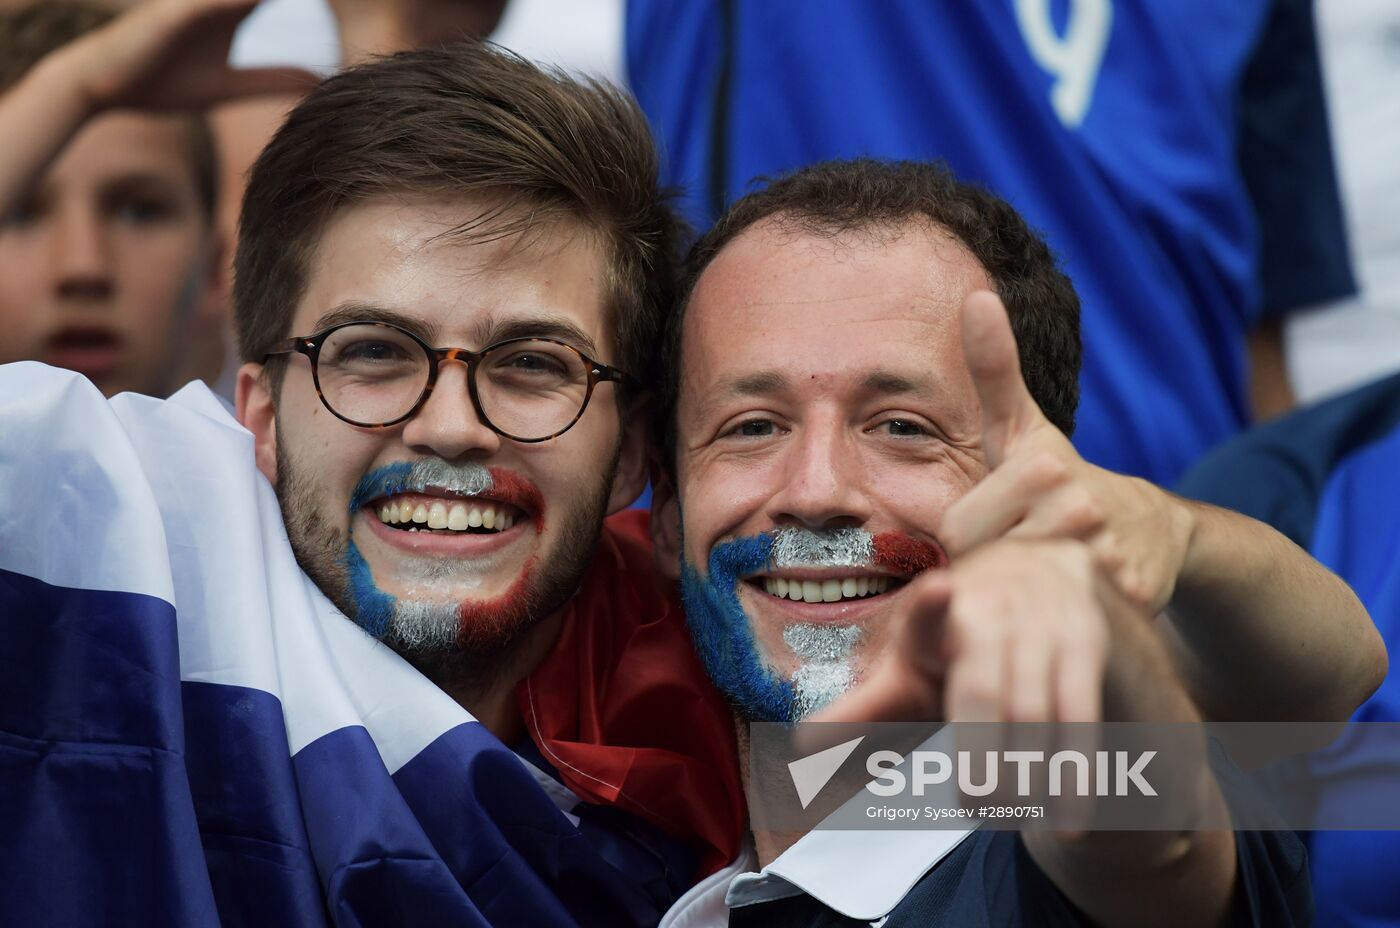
(1125, 879)
(1152, 877)
(37, 118)
(1262, 632)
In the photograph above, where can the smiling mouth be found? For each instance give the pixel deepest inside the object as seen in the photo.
(826, 590)
(416, 512)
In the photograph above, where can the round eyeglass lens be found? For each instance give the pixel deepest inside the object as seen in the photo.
(533, 388)
(371, 374)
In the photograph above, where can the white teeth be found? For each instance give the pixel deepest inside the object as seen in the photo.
(438, 515)
(825, 591)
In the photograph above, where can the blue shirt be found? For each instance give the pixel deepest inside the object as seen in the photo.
(1329, 477)
(1116, 128)
(990, 881)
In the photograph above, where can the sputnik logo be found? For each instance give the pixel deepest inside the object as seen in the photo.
(811, 773)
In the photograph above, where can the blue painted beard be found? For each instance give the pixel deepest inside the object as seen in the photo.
(824, 653)
(722, 635)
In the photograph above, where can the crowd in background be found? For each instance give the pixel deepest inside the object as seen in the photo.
(1221, 184)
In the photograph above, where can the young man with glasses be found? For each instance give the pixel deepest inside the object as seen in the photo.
(449, 280)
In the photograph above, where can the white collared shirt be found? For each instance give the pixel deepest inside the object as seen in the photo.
(860, 874)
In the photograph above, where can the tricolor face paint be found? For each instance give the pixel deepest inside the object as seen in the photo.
(823, 384)
(783, 657)
(436, 533)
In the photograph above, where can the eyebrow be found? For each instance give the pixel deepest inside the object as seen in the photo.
(491, 331)
(762, 383)
(886, 382)
(139, 181)
(358, 311)
(488, 332)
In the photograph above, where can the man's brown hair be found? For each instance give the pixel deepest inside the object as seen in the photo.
(463, 119)
(31, 32)
(834, 197)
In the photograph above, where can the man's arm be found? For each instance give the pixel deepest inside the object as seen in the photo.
(1249, 625)
(1261, 631)
(381, 27)
(163, 55)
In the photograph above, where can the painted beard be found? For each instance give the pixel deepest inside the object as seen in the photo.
(442, 634)
(825, 653)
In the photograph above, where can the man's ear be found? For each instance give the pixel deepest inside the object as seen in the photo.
(665, 524)
(257, 412)
(631, 477)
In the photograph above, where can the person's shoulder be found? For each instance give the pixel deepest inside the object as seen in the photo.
(1276, 472)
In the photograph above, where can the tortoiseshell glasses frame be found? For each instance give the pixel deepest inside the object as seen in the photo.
(595, 373)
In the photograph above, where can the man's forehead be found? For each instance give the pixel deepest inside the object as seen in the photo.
(400, 259)
(855, 301)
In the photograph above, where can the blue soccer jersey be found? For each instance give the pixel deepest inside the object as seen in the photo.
(1117, 128)
(1327, 477)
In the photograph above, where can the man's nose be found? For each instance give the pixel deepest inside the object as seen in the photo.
(824, 484)
(81, 254)
(447, 425)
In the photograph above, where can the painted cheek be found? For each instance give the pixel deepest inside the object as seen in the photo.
(722, 634)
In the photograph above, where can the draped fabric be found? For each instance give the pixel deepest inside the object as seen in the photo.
(634, 721)
(191, 734)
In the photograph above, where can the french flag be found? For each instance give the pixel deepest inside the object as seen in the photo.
(191, 734)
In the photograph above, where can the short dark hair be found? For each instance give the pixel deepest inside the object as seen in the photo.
(30, 33)
(833, 197)
(462, 119)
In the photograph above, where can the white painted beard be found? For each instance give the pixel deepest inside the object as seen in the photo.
(825, 668)
(425, 626)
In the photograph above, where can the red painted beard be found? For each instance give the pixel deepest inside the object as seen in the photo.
(483, 625)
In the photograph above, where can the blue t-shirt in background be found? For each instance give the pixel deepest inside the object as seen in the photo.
(1329, 478)
(1117, 128)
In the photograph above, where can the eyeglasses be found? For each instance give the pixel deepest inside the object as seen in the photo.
(375, 374)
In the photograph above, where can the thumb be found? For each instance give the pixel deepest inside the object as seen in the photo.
(1008, 410)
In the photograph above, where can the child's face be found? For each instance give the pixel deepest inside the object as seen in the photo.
(107, 257)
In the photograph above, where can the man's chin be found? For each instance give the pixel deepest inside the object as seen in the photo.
(434, 614)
